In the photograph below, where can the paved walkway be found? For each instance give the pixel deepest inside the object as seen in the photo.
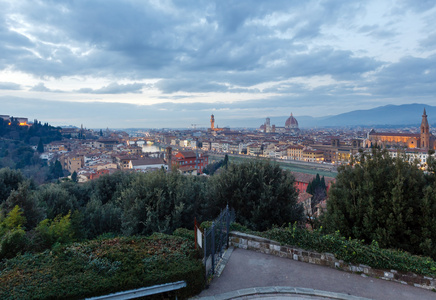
(247, 274)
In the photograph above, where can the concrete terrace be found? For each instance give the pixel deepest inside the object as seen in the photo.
(253, 275)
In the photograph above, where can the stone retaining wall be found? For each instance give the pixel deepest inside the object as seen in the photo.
(251, 242)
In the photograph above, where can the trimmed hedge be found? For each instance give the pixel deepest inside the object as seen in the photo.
(102, 266)
(185, 233)
(349, 250)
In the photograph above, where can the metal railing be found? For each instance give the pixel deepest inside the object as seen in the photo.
(215, 238)
(142, 292)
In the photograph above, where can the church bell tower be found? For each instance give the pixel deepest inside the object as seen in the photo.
(425, 132)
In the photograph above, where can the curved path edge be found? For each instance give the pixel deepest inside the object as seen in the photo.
(279, 290)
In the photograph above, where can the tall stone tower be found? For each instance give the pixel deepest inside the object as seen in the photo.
(425, 132)
(212, 122)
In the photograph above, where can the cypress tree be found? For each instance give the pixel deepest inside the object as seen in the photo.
(40, 147)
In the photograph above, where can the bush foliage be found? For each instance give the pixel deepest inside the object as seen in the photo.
(54, 216)
(102, 266)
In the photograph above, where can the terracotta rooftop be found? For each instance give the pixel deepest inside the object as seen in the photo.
(147, 161)
(303, 177)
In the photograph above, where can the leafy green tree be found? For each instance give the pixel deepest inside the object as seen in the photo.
(261, 193)
(12, 243)
(109, 187)
(25, 199)
(55, 200)
(100, 219)
(81, 192)
(12, 235)
(386, 200)
(210, 169)
(14, 220)
(9, 181)
(58, 230)
(161, 202)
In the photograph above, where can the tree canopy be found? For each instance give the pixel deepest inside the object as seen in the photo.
(387, 200)
(261, 193)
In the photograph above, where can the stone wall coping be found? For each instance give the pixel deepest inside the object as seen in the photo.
(254, 238)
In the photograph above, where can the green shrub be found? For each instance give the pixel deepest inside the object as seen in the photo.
(102, 266)
(12, 243)
(185, 233)
(54, 231)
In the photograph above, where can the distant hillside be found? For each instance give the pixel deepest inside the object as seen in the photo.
(389, 115)
(407, 114)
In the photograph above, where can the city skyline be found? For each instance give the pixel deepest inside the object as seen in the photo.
(161, 64)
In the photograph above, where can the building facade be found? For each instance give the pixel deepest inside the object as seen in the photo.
(423, 140)
(185, 160)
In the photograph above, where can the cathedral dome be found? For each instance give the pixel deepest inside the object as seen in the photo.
(291, 123)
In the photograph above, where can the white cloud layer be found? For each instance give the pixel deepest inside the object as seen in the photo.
(183, 60)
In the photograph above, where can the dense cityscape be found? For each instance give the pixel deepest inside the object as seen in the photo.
(217, 149)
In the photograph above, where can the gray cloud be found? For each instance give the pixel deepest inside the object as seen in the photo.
(377, 32)
(9, 86)
(410, 77)
(40, 87)
(140, 39)
(417, 6)
(429, 43)
(114, 88)
(200, 47)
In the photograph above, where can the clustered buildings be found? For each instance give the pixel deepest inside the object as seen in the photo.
(91, 154)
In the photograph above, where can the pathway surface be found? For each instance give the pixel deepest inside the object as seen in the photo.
(247, 269)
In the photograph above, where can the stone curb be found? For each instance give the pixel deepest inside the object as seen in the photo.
(223, 261)
(279, 290)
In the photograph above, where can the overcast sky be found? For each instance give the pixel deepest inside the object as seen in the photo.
(138, 63)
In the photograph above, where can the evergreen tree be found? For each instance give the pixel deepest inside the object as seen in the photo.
(384, 199)
(74, 176)
(261, 193)
(56, 170)
(40, 147)
(9, 181)
(317, 188)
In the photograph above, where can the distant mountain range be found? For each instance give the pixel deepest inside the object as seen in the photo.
(389, 115)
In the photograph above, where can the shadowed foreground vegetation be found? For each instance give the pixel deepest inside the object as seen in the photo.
(103, 266)
(51, 235)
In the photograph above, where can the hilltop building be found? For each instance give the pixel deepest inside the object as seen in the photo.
(19, 121)
(424, 140)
